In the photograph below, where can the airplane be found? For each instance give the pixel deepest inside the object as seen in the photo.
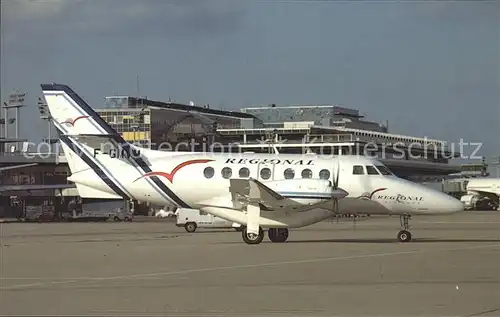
(273, 192)
(486, 187)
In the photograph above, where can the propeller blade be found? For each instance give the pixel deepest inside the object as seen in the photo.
(336, 181)
(336, 192)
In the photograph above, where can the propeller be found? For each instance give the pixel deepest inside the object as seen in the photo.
(336, 193)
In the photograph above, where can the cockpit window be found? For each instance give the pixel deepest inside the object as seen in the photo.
(383, 169)
(371, 170)
(358, 170)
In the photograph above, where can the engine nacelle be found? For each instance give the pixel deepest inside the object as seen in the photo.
(304, 190)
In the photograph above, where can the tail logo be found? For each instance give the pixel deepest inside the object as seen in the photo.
(72, 122)
(170, 176)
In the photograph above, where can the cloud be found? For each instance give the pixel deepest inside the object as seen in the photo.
(122, 17)
(25, 10)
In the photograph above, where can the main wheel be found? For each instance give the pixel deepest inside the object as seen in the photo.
(251, 238)
(404, 236)
(190, 227)
(278, 234)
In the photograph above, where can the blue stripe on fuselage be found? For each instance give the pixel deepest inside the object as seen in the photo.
(93, 166)
(102, 170)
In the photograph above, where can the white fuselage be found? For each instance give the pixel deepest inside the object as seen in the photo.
(193, 179)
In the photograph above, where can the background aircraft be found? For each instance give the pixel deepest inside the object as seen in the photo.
(478, 188)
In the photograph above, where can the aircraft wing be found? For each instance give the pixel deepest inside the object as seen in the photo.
(252, 191)
(245, 191)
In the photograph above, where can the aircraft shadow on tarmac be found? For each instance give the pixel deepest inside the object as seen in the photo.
(414, 240)
(389, 240)
(212, 231)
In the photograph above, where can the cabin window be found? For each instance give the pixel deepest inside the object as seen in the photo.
(208, 172)
(324, 174)
(203, 213)
(226, 172)
(307, 173)
(289, 173)
(358, 170)
(265, 173)
(244, 172)
(371, 170)
(383, 169)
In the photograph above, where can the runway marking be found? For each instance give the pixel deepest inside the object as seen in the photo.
(213, 269)
(38, 284)
(459, 222)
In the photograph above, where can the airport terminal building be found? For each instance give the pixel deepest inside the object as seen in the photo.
(320, 129)
(151, 123)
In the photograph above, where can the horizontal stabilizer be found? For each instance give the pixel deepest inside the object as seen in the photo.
(96, 141)
(112, 146)
(89, 192)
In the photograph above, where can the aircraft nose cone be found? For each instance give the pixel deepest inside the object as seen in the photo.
(450, 204)
(339, 193)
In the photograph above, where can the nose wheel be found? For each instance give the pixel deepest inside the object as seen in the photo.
(251, 238)
(404, 235)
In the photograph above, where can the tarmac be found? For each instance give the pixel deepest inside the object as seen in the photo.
(452, 268)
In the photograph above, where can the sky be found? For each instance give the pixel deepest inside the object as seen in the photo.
(429, 68)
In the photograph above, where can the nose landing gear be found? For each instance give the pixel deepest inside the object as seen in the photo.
(251, 238)
(404, 235)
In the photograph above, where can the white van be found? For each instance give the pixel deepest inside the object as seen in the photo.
(191, 219)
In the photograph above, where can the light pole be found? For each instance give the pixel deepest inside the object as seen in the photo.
(5, 121)
(497, 164)
(16, 101)
(134, 128)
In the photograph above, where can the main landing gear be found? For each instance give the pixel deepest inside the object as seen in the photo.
(275, 235)
(404, 235)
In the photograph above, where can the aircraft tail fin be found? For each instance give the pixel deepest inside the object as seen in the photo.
(75, 121)
(71, 114)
